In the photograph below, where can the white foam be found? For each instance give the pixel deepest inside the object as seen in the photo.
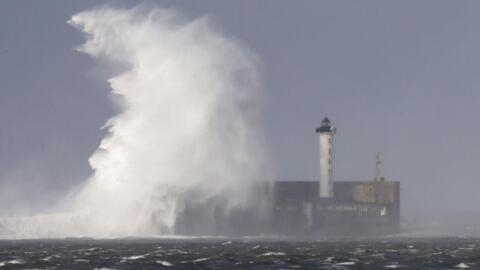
(462, 265)
(201, 260)
(14, 261)
(164, 263)
(134, 257)
(48, 258)
(345, 263)
(271, 253)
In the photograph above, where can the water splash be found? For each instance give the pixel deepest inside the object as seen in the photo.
(186, 132)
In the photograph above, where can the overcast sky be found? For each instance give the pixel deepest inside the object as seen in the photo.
(401, 77)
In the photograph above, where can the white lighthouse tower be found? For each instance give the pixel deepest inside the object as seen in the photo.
(325, 137)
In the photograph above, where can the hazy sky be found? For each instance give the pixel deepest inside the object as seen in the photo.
(398, 77)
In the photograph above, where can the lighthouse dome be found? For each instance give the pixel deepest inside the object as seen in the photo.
(325, 126)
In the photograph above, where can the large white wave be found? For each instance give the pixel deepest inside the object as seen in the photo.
(186, 131)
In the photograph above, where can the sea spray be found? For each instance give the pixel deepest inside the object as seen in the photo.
(186, 133)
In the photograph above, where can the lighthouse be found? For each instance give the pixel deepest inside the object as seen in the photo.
(325, 138)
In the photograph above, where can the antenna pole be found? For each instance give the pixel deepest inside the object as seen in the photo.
(378, 167)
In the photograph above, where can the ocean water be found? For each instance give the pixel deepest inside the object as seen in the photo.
(433, 253)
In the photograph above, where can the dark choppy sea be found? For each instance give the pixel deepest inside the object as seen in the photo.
(442, 253)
